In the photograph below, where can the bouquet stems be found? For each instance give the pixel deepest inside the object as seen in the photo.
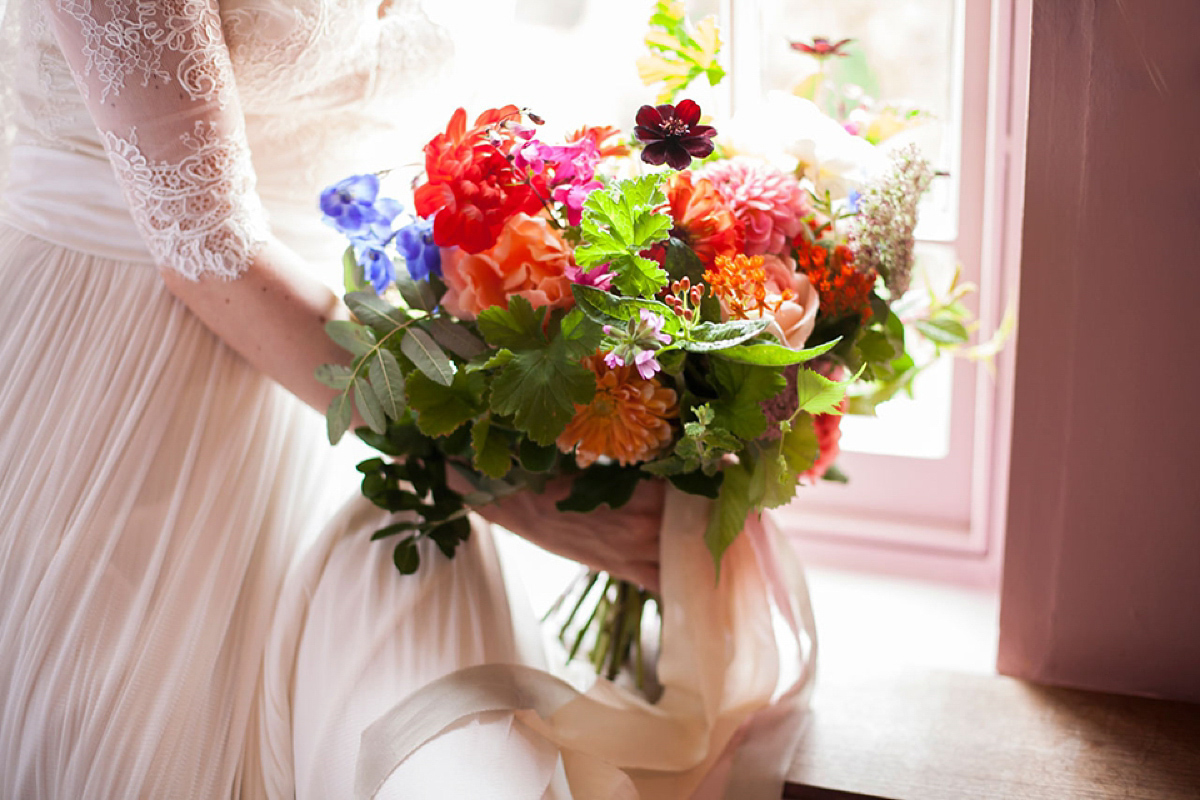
(612, 613)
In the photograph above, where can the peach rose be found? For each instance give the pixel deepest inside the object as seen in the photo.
(529, 259)
(794, 318)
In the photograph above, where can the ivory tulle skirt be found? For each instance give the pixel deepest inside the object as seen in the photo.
(185, 613)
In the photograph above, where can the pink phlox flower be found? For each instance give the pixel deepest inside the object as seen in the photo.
(612, 360)
(652, 325)
(600, 278)
(646, 364)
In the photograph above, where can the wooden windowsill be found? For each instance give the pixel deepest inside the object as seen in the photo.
(945, 736)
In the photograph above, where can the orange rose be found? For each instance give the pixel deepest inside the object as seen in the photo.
(529, 259)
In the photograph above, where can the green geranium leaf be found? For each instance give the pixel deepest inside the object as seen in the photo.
(369, 407)
(335, 376)
(539, 390)
(728, 514)
(619, 222)
(742, 388)
(519, 327)
(773, 355)
(350, 336)
(535, 457)
(375, 312)
(716, 336)
(601, 484)
(456, 338)
(441, 410)
(388, 381)
(449, 535)
(492, 456)
(339, 416)
(427, 356)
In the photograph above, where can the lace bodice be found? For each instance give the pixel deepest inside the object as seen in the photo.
(206, 109)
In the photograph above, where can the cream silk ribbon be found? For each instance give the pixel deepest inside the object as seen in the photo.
(736, 665)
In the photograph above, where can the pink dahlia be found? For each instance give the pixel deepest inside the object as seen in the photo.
(769, 203)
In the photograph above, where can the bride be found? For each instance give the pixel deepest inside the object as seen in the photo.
(179, 618)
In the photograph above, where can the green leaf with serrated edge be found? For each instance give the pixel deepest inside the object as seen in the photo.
(535, 457)
(393, 529)
(576, 335)
(427, 356)
(335, 376)
(818, 394)
(709, 336)
(350, 336)
(441, 410)
(491, 450)
(539, 390)
(618, 223)
(375, 312)
(697, 482)
(786, 459)
(519, 327)
(943, 331)
(601, 484)
(728, 514)
(388, 381)
(338, 417)
(353, 279)
(741, 389)
(456, 338)
(450, 535)
(406, 557)
(605, 308)
(368, 405)
(876, 347)
(773, 355)
(498, 359)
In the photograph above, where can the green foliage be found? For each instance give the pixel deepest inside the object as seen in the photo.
(350, 336)
(492, 456)
(820, 395)
(456, 338)
(680, 52)
(728, 514)
(786, 459)
(768, 354)
(442, 409)
(539, 385)
(387, 381)
(708, 337)
(427, 356)
(353, 279)
(741, 389)
(605, 308)
(375, 312)
(368, 405)
(619, 222)
(601, 484)
(338, 417)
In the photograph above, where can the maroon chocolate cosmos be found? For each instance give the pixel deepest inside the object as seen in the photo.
(822, 47)
(672, 134)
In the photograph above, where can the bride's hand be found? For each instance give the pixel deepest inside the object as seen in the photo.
(622, 542)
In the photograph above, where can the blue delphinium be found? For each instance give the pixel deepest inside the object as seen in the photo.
(377, 266)
(349, 205)
(415, 243)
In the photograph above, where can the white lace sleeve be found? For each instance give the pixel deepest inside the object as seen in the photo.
(157, 80)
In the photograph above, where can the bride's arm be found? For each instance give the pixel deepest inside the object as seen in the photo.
(158, 82)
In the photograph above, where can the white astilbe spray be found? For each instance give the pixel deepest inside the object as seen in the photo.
(882, 231)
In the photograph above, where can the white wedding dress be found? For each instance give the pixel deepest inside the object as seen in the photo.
(183, 612)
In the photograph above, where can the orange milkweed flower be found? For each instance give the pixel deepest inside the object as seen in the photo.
(627, 420)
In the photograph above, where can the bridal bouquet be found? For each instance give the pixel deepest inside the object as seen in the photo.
(614, 310)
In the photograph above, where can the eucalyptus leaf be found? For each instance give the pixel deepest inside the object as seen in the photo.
(335, 376)
(456, 338)
(338, 417)
(388, 381)
(350, 336)
(428, 356)
(375, 312)
(369, 407)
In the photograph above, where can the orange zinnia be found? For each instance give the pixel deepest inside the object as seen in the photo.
(627, 419)
(703, 219)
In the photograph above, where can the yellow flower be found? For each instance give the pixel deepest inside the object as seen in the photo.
(627, 419)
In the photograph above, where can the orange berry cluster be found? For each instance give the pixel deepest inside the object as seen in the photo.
(741, 284)
(843, 288)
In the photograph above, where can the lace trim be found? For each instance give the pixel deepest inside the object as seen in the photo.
(132, 41)
(200, 215)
